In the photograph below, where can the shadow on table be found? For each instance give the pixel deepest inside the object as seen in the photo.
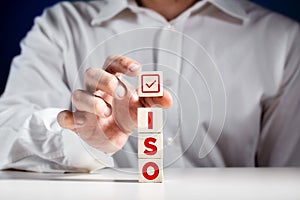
(107, 175)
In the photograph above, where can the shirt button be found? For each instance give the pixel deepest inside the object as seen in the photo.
(168, 82)
(170, 141)
(171, 26)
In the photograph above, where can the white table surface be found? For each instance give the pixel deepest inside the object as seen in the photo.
(198, 183)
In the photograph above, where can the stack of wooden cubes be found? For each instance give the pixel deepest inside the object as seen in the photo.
(150, 130)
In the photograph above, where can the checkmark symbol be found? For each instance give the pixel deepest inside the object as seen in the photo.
(149, 86)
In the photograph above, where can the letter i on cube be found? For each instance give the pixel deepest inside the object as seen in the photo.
(150, 128)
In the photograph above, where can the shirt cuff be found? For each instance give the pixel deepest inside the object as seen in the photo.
(81, 155)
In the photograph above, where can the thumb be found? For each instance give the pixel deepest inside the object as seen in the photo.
(165, 101)
(66, 120)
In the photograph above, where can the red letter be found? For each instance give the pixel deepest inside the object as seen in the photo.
(150, 146)
(150, 120)
(145, 173)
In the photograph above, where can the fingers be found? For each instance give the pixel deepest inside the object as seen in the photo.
(84, 101)
(165, 101)
(74, 120)
(103, 96)
(108, 138)
(116, 64)
(107, 80)
(97, 79)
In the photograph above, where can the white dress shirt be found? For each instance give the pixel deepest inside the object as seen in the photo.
(231, 66)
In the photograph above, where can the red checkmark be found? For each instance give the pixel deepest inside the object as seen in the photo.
(149, 86)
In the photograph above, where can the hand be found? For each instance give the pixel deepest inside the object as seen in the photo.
(106, 112)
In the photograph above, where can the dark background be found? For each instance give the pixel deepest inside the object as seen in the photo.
(17, 18)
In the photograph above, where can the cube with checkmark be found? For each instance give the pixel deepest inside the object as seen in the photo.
(150, 84)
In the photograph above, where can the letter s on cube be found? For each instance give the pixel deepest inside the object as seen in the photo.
(150, 145)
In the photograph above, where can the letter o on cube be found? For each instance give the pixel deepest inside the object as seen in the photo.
(145, 172)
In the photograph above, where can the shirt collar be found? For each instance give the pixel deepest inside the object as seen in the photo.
(110, 9)
(234, 8)
(113, 7)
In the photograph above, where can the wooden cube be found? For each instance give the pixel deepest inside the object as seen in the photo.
(150, 120)
(150, 170)
(150, 84)
(150, 145)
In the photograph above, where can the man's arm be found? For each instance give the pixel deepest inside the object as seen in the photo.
(279, 144)
(36, 92)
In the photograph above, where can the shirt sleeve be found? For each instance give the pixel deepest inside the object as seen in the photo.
(37, 89)
(279, 144)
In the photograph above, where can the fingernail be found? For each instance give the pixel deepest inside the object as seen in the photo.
(120, 91)
(134, 67)
(107, 111)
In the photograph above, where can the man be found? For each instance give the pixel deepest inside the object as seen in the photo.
(231, 67)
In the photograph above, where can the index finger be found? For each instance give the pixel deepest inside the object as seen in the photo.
(117, 64)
